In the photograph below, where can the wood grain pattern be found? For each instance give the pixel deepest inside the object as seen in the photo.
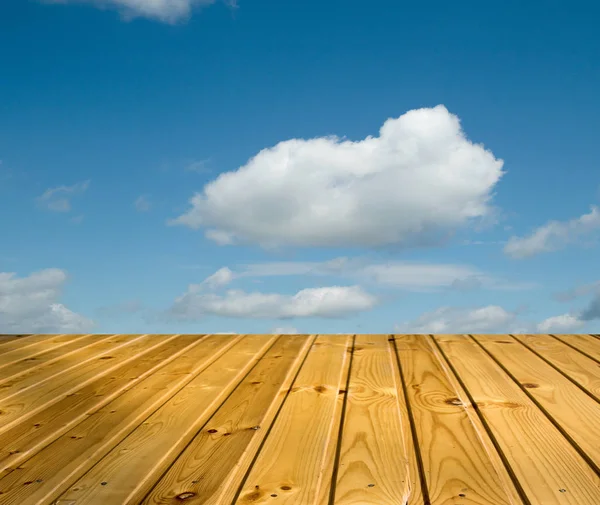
(212, 466)
(60, 464)
(373, 464)
(19, 362)
(571, 363)
(135, 464)
(547, 467)
(299, 419)
(575, 412)
(29, 393)
(586, 344)
(25, 439)
(290, 464)
(455, 462)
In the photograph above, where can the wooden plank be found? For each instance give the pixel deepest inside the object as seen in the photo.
(290, 463)
(134, 465)
(586, 344)
(26, 439)
(575, 412)
(373, 463)
(24, 397)
(579, 368)
(415, 491)
(211, 468)
(49, 473)
(41, 354)
(26, 341)
(33, 378)
(8, 338)
(456, 461)
(547, 467)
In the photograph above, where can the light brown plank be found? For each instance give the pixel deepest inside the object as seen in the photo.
(455, 461)
(548, 468)
(135, 464)
(570, 362)
(373, 463)
(415, 491)
(586, 344)
(24, 342)
(34, 378)
(27, 438)
(573, 410)
(9, 338)
(49, 473)
(19, 362)
(23, 397)
(295, 452)
(211, 468)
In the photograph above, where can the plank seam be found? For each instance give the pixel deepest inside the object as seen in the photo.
(487, 428)
(74, 477)
(338, 448)
(573, 347)
(210, 418)
(108, 399)
(556, 424)
(264, 440)
(413, 431)
(566, 376)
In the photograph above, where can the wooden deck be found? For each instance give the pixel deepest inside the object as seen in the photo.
(300, 419)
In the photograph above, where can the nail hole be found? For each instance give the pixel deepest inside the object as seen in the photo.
(103, 483)
(371, 485)
(286, 488)
(462, 495)
(212, 431)
(273, 496)
(563, 490)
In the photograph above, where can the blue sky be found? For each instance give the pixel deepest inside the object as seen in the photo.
(316, 166)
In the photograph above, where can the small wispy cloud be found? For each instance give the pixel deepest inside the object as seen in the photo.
(555, 235)
(198, 166)
(142, 203)
(167, 11)
(58, 199)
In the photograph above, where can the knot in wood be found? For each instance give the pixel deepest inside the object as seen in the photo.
(185, 496)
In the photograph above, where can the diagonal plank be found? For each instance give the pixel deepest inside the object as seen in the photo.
(548, 468)
(454, 453)
(51, 471)
(42, 354)
(134, 465)
(290, 463)
(25, 439)
(586, 344)
(23, 342)
(211, 468)
(25, 396)
(34, 377)
(373, 463)
(569, 407)
(579, 368)
(21, 350)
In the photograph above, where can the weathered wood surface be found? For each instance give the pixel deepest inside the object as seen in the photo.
(300, 419)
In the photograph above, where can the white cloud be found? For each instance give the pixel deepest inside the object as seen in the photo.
(285, 330)
(335, 301)
(560, 324)
(220, 278)
(142, 203)
(169, 11)
(491, 318)
(406, 275)
(58, 199)
(415, 183)
(31, 304)
(554, 235)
